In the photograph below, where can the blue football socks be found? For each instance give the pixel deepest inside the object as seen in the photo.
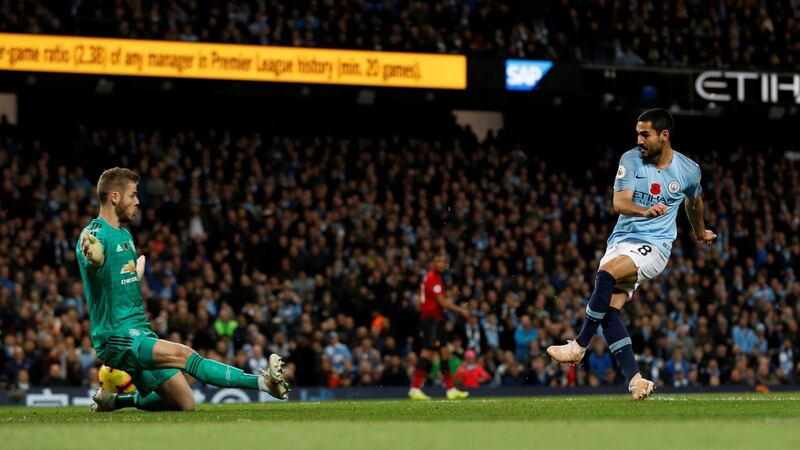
(597, 307)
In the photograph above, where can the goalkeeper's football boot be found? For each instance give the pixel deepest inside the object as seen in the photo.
(569, 353)
(272, 381)
(417, 394)
(455, 394)
(103, 401)
(640, 388)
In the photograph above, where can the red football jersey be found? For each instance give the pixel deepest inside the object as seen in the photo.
(432, 288)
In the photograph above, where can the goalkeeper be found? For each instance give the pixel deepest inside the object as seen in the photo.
(121, 334)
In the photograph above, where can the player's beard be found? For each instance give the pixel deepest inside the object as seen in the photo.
(123, 214)
(651, 154)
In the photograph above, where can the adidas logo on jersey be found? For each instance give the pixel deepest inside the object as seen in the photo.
(119, 248)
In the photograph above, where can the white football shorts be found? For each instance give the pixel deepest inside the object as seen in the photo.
(647, 258)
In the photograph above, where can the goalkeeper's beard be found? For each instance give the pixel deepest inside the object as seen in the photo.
(122, 213)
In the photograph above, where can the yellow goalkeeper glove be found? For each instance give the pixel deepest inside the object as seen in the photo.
(92, 249)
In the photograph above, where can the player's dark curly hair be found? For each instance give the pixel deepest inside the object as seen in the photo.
(660, 119)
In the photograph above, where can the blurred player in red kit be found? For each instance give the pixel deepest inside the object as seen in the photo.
(432, 302)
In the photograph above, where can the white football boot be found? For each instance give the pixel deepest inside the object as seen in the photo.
(103, 401)
(272, 381)
(569, 353)
(640, 388)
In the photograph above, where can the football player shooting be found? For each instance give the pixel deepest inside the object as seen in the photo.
(651, 182)
(433, 301)
(120, 332)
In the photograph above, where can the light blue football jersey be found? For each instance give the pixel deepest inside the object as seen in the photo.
(650, 186)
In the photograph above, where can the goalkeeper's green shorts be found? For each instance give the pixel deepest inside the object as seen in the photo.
(131, 350)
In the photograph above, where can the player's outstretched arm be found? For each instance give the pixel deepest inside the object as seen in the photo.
(449, 304)
(92, 249)
(695, 210)
(623, 204)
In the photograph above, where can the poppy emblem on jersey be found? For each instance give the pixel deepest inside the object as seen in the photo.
(674, 186)
(655, 188)
(125, 244)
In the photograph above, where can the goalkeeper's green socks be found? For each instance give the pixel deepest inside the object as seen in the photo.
(218, 374)
(150, 402)
(206, 370)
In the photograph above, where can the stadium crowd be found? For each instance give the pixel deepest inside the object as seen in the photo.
(711, 33)
(315, 247)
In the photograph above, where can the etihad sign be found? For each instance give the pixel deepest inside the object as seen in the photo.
(728, 86)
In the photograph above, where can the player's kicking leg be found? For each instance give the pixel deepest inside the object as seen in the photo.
(619, 270)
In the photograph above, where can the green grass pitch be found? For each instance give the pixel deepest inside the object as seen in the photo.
(719, 421)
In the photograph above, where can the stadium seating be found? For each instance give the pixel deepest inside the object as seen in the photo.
(313, 247)
(653, 32)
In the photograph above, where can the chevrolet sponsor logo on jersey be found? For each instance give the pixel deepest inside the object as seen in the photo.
(129, 267)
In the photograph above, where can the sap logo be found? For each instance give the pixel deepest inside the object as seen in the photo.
(524, 75)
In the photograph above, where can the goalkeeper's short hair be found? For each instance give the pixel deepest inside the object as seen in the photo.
(114, 180)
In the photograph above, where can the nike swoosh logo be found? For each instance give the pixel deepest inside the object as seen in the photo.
(637, 176)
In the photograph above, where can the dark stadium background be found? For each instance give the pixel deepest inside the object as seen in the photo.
(578, 121)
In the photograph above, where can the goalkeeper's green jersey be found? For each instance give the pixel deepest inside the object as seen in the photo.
(112, 290)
